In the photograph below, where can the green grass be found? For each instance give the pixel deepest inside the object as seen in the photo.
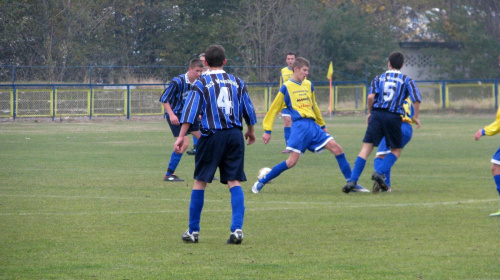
(86, 200)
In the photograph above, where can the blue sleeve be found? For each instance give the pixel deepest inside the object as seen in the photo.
(192, 107)
(248, 109)
(169, 93)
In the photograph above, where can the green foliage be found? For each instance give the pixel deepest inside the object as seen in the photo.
(86, 200)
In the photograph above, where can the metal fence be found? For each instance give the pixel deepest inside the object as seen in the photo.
(127, 100)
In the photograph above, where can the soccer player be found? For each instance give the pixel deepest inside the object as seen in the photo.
(490, 130)
(383, 149)
(286, 74)
(224, 103)
(385, 105)
(173, 99)
(192, 152)
(308, 127)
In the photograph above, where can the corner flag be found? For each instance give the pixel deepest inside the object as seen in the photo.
(330, 71)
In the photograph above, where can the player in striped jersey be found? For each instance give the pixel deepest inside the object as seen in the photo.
(385, 104)
(308, 127)
(490, 130)
(285, 75)
(192, 152)
(173, 99)
(383, 149)
(224, 104)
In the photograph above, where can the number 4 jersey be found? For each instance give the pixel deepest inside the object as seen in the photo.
(391, 89)
(222, 100)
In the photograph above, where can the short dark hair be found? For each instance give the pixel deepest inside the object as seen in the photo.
(300, 62)
(396, 59)
(291, 53)
(215, 55)
(195, 62)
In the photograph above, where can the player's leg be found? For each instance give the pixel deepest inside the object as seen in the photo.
(287, 129)
(337, 150)
(195, 208)
(175, 158)
(290, 162)
(192, 152)
(238, 212)
(495, 170)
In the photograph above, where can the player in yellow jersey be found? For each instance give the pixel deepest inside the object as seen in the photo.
(490, 130)
(308, 127)
(285, 74)
(383, 149)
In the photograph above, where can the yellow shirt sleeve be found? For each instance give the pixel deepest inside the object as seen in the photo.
(317, 112)
(278, 103)
(494, 127)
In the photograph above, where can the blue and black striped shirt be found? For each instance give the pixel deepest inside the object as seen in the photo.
(391, 89)
(222, 100)
(176, 93)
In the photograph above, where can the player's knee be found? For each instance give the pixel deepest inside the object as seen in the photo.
(291, 163)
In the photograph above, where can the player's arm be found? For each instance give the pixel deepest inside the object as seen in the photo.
(491, 129)
(317, 112)
(249, 116)
(268, 121)
(180, 140)
(173, 118)
(369, 104)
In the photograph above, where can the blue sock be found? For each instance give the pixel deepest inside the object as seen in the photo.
(387, 163)
(359, 165)
(344, 166)
(174, 161)
(275, 172)
(238, 205)
(288, 131)
(377, 163)
(195, 142)
(195, 207)
(497, 182)
(388, 178)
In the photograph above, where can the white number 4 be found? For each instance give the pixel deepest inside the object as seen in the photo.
(223, 100)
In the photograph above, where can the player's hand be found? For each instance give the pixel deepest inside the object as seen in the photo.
(478, 135)
(250, 136)
(266, 137)
(174, 120)
(178, 144)
(417, 121)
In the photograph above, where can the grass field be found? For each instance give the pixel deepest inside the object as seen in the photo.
(86, 200)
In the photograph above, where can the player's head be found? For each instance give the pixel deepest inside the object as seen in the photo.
(195, 69)
(396, 60)
(300, 68)
(215, 55)
(202, 58)
(290, 58)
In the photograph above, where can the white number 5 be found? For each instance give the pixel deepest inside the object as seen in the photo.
(223, 100)
(389, 89)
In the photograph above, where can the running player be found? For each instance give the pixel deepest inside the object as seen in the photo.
(490, 130)
(224, 104)
(385, 104)
(308, 127)
(173, 102)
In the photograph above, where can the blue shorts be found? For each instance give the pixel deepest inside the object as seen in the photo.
(286, 112)
(224, 149)
(307, 135)
(496, 157)
(176, 129)
(407, 130)
(386, 124)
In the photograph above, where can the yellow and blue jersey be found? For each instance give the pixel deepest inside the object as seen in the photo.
(286, 74)
(299, 98)
(494, 127)
(407, 116)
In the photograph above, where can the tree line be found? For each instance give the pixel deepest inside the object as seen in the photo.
(356, 35)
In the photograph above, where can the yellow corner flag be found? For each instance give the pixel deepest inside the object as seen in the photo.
(330, 71)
